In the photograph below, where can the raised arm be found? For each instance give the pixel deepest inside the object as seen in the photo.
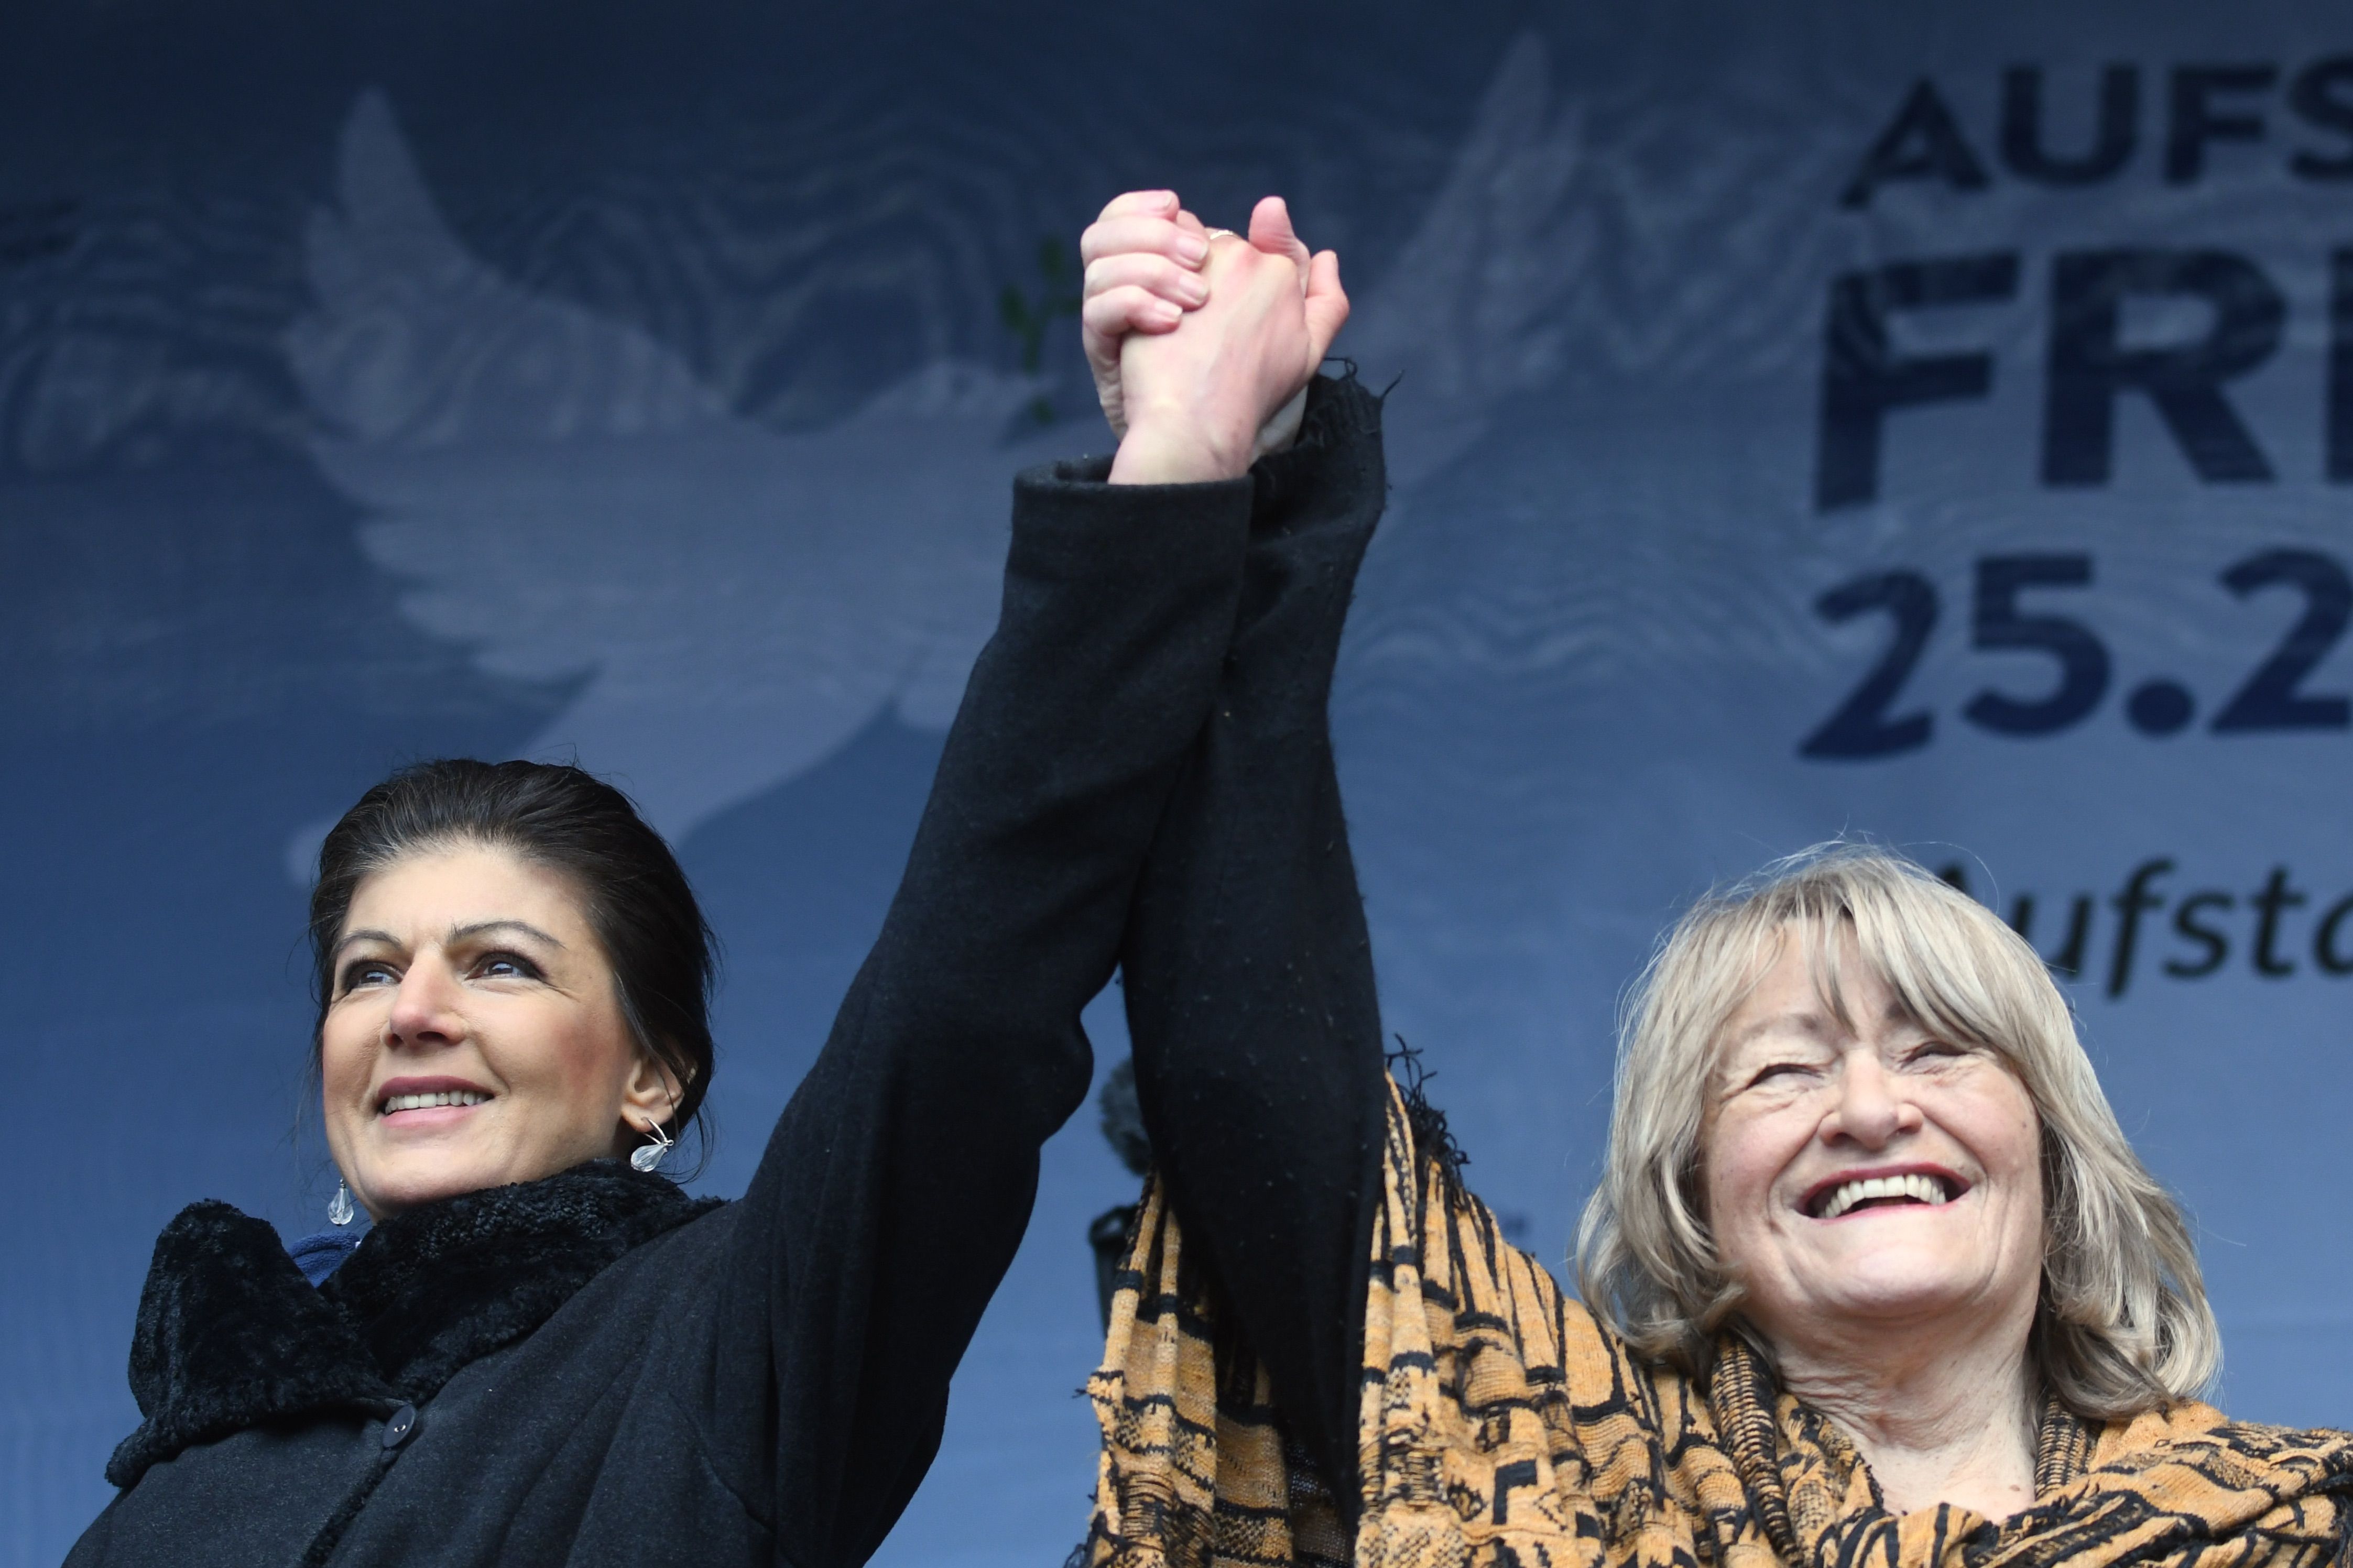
(1249, 979)
(1247, 970)
(898, 1183)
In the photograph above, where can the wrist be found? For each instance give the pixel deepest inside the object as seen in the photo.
(1281, 430)
(1156, 453)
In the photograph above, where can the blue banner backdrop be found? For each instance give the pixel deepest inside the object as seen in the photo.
(1930, 422)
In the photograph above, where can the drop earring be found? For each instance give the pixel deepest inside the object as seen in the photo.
(338, 1207)
(649, 1156)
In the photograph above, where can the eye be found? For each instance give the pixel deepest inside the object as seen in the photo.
(1933, 1051)
(366, 972)
(506, 966)
(1772, 1070)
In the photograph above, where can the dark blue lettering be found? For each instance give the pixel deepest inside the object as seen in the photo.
(2324, 941)
(2269, 900)
(2194, 120)
(2273, 697)
(1923, 142)
(2022, 128)
(2339, 415)
(1862, 379)
(2322, 95)
(2089, 366)
(2217, 945)
(2131, 902)
(1998, 625)
(2068, 962)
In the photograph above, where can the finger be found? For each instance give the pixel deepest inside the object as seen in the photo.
(1110, 316)
(1140, 233)
(1137, 232)
(1271, 231)
(1132, 203)
(1179, 286)
(1190, 223)
(1230, 252)
(1327, 303)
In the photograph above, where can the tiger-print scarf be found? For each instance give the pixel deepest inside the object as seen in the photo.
(1502, 1426)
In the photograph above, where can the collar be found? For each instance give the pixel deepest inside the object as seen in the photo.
(230, 1334)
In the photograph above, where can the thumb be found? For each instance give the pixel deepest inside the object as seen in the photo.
(1271, 231)
(1326, 305)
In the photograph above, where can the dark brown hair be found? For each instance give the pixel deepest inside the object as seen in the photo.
(631, 890)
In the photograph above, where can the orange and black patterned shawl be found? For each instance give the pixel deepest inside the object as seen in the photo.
(1503, 1426)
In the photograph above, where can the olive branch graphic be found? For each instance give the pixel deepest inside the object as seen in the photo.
(1027, 318)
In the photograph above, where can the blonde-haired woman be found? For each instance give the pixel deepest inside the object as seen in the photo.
(1872, 1275)
(1844, 1005)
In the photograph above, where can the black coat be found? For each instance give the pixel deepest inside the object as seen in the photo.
(596, 1369)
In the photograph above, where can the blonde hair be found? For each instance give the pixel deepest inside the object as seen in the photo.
(2122, 1326)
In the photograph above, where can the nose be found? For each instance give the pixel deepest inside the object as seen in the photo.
(1869, 1109)
(424, 1010)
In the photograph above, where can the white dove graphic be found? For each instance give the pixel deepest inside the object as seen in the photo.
(567, 499)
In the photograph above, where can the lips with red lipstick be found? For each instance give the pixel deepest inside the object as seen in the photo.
(1879, 1188)
(427, 1101)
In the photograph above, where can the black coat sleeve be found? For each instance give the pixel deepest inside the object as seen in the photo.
(899, 1180)
(1246, 969)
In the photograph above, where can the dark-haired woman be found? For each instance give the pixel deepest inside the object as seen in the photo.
(543, 1351)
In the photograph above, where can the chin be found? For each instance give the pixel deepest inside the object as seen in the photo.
(409, 1181)
(1892, 1284)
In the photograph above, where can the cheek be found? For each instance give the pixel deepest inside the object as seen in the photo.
(2003, 1129)
(1738, 1154)
(345, 1058)
(579, 1053)
(1994, 1121)
(2023, 1149)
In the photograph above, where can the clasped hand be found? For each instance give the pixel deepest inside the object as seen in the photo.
(1202, 343)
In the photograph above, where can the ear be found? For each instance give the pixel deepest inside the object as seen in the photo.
(650, 1096)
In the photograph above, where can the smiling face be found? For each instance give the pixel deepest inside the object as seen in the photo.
(1867, 1176)
(474, 1036)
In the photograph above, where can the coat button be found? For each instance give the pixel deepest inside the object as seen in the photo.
(396, 1430)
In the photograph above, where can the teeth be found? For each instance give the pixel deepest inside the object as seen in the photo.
(1924, 1189)
(425, 1102)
